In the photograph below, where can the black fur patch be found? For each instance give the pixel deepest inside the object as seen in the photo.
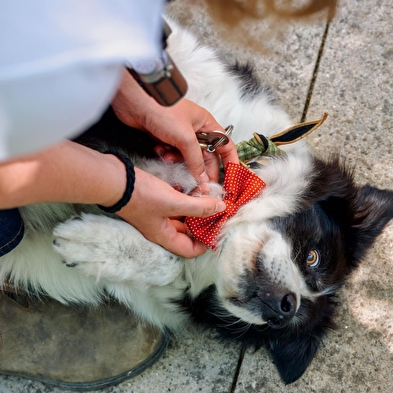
(251, 86)
(110, 132)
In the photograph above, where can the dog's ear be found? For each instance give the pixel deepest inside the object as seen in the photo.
(293, 355)
(361, 212)
(372, 209)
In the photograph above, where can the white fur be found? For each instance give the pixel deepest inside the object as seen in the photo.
(107, 256)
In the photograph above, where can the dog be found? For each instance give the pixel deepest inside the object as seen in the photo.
(281, 259)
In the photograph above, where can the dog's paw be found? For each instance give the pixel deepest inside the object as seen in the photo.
(106, 248)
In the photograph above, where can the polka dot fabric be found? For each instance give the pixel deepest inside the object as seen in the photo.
(240, 186)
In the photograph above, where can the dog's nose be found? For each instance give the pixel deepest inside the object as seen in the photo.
(278, 309)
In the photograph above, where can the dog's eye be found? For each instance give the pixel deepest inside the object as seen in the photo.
(312, 258)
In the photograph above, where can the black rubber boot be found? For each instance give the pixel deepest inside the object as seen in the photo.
(75, 348)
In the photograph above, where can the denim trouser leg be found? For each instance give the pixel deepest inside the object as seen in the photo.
(11, 230)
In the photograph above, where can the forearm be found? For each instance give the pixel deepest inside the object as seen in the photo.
(67, 172)
(72, 173)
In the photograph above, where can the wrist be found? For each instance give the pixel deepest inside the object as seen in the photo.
(131, 103)
(120, 199)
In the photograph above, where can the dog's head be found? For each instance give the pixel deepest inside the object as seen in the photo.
(284, 255)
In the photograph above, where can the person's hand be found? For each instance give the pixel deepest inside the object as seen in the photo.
(153, 209)
(177, 126)
(174, 125)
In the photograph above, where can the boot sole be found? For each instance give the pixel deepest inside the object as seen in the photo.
(103, 383)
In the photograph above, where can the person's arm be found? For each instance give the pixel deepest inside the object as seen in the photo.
(73, 173)
(66, 172)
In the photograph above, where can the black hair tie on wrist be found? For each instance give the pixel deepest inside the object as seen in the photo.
(130, 173)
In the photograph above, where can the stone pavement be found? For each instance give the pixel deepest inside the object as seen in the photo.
(354, 84)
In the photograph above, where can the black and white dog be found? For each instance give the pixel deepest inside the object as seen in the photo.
(280, 259)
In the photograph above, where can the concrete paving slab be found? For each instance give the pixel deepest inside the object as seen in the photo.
(286, 62)
(354, 85)
(196, 362)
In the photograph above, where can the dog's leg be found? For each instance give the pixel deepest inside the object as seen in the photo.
(110, 249)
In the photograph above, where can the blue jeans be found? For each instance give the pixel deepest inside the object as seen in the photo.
(11, 230)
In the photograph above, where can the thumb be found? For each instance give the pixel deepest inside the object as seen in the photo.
(199, 206)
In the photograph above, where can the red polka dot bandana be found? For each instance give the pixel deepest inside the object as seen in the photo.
(240, 187)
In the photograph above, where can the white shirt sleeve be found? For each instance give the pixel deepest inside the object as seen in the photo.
(61, 61)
